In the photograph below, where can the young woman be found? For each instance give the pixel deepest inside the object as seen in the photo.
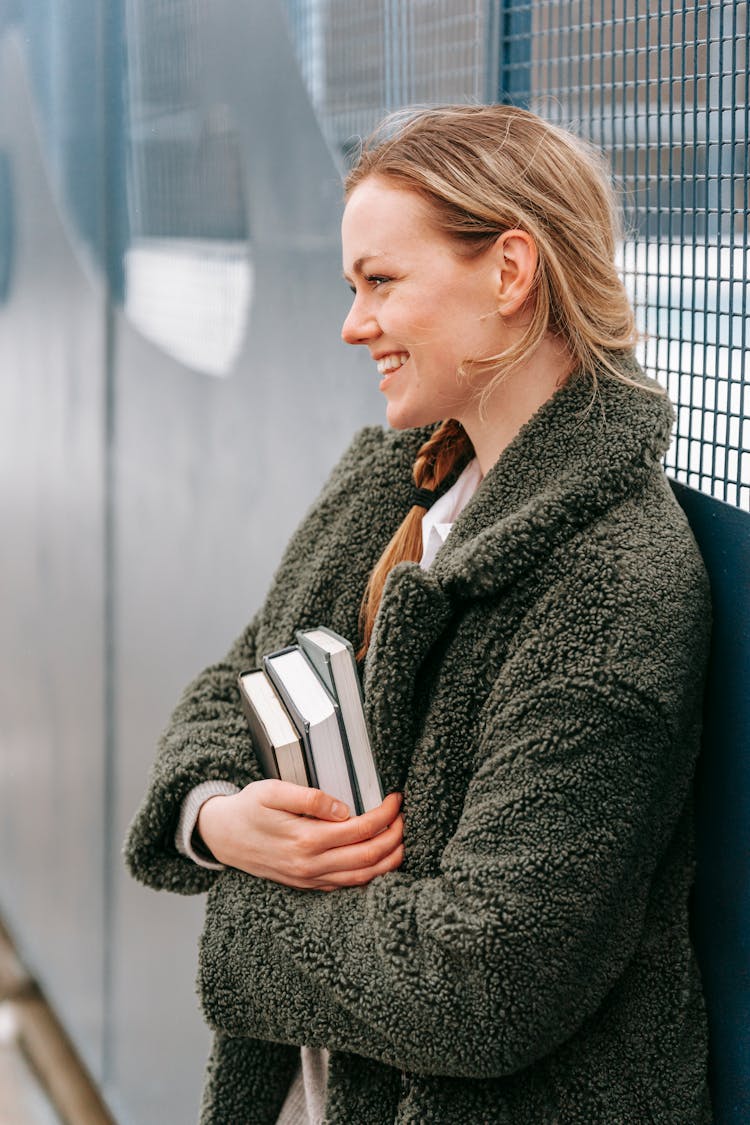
(511, 943)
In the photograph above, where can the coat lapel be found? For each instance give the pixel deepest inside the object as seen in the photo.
(575, 459)
(413, 614)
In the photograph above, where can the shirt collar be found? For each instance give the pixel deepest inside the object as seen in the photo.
(439, 519)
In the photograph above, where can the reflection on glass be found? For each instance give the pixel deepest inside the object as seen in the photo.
(188, 268)
(191, 297)
(363, 58)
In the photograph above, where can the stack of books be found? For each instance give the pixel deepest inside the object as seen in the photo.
(304, 710)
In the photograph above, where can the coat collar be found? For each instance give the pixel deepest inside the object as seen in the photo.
(576, 458)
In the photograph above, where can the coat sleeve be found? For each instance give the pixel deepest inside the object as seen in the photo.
(207, 737)
(536, 910)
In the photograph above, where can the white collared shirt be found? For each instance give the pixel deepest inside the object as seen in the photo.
(439, 519)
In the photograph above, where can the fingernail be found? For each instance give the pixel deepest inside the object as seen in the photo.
(339, 810)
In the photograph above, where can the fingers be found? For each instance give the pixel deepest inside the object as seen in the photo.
(362, 856)
(313, 803)
(301, 800)
(287, 833)
(360, 877)
(359, 828)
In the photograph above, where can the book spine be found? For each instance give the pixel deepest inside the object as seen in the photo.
(358, 804)
(263, 748)
(322, 666)
(299, 721)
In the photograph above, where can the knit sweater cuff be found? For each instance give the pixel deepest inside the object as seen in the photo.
(186, 838)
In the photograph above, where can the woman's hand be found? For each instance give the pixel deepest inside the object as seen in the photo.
(302, 837)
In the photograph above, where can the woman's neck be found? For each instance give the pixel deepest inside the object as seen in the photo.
(514, 401)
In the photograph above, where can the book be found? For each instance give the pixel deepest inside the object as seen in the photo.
(274, 735)
(315, 714)
(332, 657)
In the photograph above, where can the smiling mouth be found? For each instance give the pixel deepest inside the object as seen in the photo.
(392, 362)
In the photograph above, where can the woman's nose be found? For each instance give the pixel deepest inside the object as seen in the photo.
(360, 325)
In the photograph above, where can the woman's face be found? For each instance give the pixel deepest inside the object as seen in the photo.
(420, 308)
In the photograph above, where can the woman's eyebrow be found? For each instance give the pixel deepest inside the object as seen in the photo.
(359, 264)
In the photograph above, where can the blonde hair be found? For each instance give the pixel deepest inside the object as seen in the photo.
(484, 170)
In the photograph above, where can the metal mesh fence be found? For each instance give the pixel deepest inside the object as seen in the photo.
(662, 88)
(364, 58)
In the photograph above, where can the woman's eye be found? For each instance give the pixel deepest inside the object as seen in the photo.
(376, 280)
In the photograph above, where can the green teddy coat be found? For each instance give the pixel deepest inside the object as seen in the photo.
(536, 694)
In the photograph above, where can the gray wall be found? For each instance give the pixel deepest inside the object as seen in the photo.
(144, 501)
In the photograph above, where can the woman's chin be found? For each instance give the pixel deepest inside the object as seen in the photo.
(400, 417)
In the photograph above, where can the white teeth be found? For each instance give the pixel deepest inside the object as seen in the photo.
(392, 362)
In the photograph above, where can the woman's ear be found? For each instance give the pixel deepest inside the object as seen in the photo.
(516, 260)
